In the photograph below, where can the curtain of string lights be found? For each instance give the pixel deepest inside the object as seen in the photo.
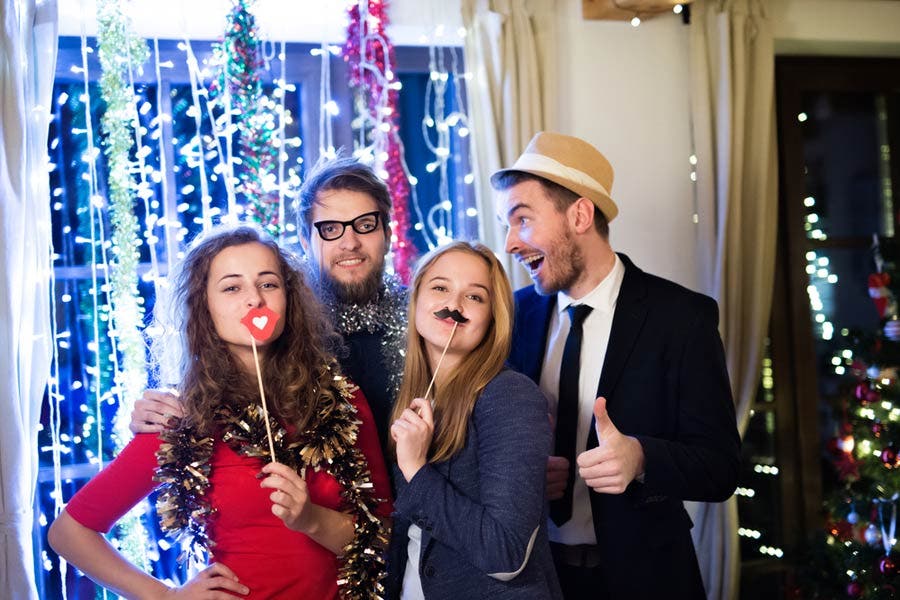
(139, 165)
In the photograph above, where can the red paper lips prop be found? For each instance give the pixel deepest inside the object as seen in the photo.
(261, 322)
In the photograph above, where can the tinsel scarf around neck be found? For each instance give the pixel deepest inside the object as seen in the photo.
(329, 444)
(385, 314)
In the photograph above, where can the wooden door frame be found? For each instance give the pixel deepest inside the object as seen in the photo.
(793, 351)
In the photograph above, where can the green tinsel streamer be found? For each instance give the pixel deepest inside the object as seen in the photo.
(240, 61)
(119, 52)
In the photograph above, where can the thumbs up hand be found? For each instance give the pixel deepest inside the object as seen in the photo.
(616, 461)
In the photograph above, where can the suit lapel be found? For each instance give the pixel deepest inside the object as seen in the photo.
(628, 320)
(532, 320)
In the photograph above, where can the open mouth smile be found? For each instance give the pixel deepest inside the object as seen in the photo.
(532, 262)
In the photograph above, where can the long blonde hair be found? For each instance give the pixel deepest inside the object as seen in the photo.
(455, 392)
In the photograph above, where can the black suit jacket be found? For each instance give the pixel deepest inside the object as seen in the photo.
(665, 382)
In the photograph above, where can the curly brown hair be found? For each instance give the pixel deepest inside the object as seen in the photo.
(298, 368)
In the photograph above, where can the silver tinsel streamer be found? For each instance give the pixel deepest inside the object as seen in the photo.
(385, 314)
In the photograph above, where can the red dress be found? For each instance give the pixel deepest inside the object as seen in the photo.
(270, 559)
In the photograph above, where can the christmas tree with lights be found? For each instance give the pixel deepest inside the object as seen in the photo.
(855, 555)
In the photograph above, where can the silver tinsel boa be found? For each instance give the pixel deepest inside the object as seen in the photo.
(385, 314)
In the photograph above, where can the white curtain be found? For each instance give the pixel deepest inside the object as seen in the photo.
(27, 64)
(507, 47)
(733, 111)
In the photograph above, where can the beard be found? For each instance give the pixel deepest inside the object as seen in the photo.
(357, 292)
(567, 263)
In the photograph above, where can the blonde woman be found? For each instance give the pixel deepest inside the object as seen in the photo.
(470, 459)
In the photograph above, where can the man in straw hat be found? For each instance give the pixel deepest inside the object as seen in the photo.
(643, 409)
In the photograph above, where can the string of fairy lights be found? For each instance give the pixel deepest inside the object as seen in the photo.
(820, 278)
(168, 161)
(439, 128)
(819, 291)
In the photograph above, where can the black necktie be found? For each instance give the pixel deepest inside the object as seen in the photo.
(567, 410)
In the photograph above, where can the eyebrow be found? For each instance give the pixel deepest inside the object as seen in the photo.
(260, 274)
(371, 213)
(441, 278)
(516, 207)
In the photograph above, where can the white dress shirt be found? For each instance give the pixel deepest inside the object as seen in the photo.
(412, 583)
(580, 528)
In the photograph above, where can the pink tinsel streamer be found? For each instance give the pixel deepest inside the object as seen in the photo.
(372, 85)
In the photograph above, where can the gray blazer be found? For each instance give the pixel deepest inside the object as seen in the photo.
(483, 512)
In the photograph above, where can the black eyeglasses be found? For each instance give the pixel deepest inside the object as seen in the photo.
(332, 230)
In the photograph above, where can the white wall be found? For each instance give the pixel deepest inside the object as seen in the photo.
(625, 90)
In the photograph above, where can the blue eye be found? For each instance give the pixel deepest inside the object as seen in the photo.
(365, 225)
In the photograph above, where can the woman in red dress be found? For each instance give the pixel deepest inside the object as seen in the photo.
(307, 525)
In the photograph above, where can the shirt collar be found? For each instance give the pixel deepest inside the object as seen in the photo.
(603, 297)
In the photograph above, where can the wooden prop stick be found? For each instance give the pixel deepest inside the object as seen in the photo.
(262, 394)
(260, 322)
(457, 319)
(440, 360)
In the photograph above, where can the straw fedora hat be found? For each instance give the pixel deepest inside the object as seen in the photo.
(572, 163)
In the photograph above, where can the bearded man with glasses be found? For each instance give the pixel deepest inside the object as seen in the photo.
(343, 218)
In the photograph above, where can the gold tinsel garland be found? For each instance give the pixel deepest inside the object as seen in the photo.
(330, 444)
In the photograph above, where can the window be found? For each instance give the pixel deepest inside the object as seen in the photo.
(183, 186)
(839, 126)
